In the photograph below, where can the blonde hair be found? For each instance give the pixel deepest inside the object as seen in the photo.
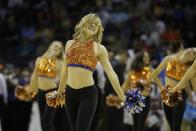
(80, 28)
(60, 56)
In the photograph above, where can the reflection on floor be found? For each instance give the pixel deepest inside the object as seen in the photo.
(35, 118)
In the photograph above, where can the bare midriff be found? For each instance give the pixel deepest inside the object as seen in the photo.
(79, 78)
(45, 83)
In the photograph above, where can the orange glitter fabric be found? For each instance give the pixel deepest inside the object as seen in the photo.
(138, 78)
(171, 98)
(176, 70)
(82, 55)
(53, 101)
(46, 67)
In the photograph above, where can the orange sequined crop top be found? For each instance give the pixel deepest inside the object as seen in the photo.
(139, 76)
(82, 55)
(175, 69)
(46, 67)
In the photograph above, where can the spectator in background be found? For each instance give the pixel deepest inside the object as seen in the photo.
(171, 34)
(155, 117)
(24, 116)
(3, 96)
(118, 62)
(15, 3)
(12, 120)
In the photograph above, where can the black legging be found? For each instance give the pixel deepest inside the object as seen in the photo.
(174, 114)
(140, 118)
(81, 106)
(47, 113)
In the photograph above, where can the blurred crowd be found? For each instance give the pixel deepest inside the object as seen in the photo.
(27, 27)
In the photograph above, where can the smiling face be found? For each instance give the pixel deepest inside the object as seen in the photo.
(187, 56)
(92, 27)
(146, 58)
(56, 49)
(89, 28)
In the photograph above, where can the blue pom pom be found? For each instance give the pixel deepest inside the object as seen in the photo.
(134, 101)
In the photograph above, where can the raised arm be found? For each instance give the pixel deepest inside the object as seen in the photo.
(104, 60)
(187, 76)
(63, 77)
(161, 66)
(157, 81)
(33, 86)
(64, 72)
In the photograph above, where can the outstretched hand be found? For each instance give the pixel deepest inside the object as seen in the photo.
(24, 93)
(171, 96)
(61, 98)
(113, 101)
(174, 89)
(55, 99)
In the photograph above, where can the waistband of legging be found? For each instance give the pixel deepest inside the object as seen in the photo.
(46, 91)
(86, 88)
